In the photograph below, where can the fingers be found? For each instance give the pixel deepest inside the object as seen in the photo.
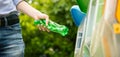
(47, 19)
(43, 28)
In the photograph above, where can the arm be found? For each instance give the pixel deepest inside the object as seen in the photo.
(32, 12)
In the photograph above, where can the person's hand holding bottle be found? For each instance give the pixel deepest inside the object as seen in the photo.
(40, 15)
(32, 12)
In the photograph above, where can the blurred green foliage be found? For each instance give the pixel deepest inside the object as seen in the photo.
(49, 44)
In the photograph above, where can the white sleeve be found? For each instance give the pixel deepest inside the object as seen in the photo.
(16, 2)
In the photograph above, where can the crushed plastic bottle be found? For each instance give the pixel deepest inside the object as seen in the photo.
(52, 26)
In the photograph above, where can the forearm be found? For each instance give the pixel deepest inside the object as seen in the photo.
(32, 12)
(27, 9)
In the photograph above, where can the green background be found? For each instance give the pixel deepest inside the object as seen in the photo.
(49, 44)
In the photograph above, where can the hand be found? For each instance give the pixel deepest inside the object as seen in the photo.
(38, 15)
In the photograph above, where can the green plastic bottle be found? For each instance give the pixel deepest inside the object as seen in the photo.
(83, 4)
(52, 26)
